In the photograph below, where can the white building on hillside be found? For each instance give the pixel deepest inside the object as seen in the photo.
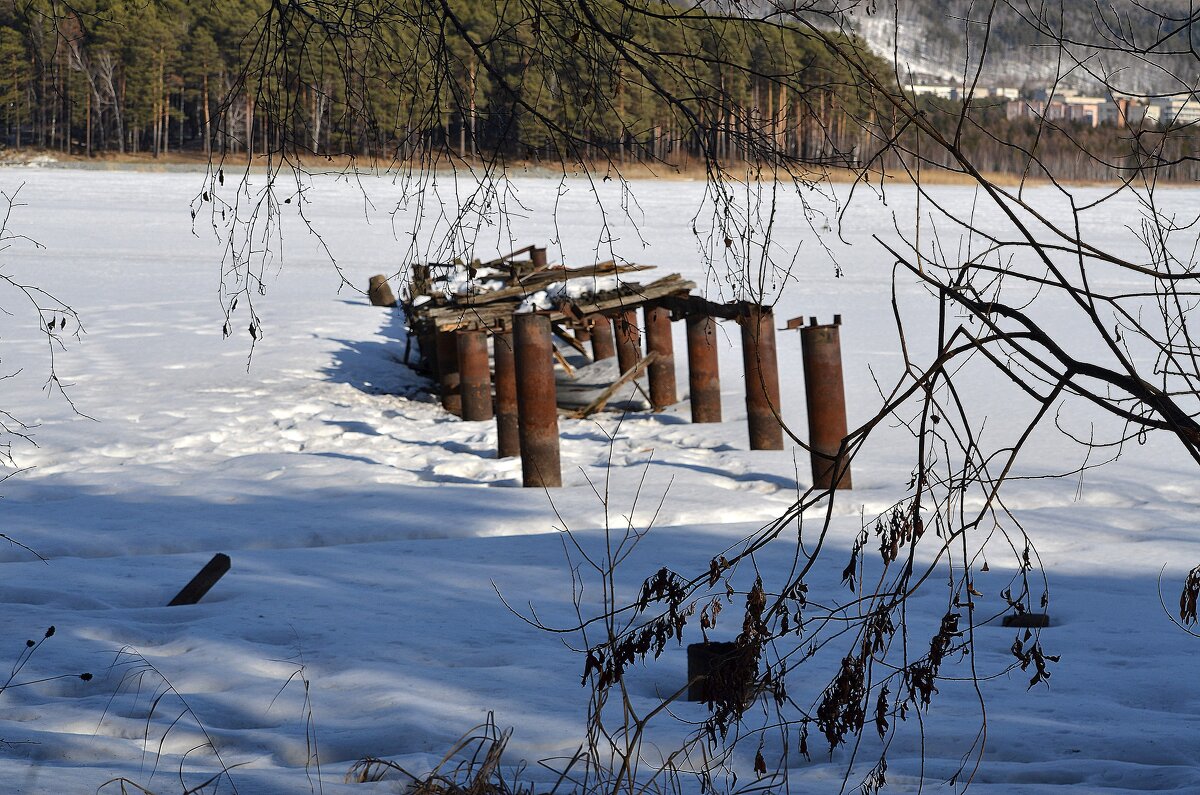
(1174, 111)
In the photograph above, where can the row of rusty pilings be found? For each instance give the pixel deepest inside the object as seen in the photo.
(521, 396)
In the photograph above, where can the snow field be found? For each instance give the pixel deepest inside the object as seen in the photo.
(370, 532)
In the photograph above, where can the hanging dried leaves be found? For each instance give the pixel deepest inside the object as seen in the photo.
(1187, 599)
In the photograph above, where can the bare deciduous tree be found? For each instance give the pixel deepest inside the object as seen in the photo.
(1081, 338)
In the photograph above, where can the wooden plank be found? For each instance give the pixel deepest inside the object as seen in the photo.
(637, 295)
(194, 591)
(561, 333)
(691, 305)
(602, 399)
(536, 281)
(631, 296)
(506, 258)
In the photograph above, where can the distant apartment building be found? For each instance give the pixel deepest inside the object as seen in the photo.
(1004, 92)
(1068, 105)
(939, 90)
(1173, 111)
(955, 92)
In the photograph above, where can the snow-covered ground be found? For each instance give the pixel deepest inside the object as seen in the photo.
(370, 532)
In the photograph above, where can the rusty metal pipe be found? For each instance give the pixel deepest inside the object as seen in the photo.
(538, 257)
(704, 371)
(447, 368)
(603, 345)
(537, 407)
(821, 348)
(629, 340)
(508, 437)
(475, 378)
(662, 370)
(762, 379)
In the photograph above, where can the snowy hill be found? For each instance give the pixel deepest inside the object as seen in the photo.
(942, 40)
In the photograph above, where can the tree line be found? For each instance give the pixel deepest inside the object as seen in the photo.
(423, 78)
(464, 77)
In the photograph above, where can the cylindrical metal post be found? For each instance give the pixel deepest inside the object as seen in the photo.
(508, 438)
(536, 400)
(603, 345)
(447, 369)
(704, 371)
(538, 257)
(821, 347)
(662, 369)
(475, 380)
(629, 340)
(762, 379)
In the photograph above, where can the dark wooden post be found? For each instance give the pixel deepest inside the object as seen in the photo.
(474, 375)
(704, 370)
(662, 369)
(427, 342)
(603, 346)
(447, 369)
(762, 379)
(380, 292)
(508, 438)
(821, 348)
(629, 340)
(419, 283)
(536, 400)
(199, 585)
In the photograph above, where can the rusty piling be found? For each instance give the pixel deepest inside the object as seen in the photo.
(603, 345)
(475, 379)
(704, 372)
(508, 438)
(629, 339)
(821, 348)
(662, 370)
(536, 401)
(447, 370)
(538, 257)
(762, 379)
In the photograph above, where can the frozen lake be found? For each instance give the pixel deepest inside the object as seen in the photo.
(370, 531)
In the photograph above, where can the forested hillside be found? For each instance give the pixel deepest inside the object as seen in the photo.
(167, 75)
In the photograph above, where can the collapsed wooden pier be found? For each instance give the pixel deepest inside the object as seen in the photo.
(486, 336)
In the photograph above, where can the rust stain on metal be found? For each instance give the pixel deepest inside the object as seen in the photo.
(508, 439)
(662, 369)
(762, 380)
(536, 401)
(475, 379)
(823, 381)
(704, 371)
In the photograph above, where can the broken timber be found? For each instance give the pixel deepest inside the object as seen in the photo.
(487, 309)
(602, 399)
